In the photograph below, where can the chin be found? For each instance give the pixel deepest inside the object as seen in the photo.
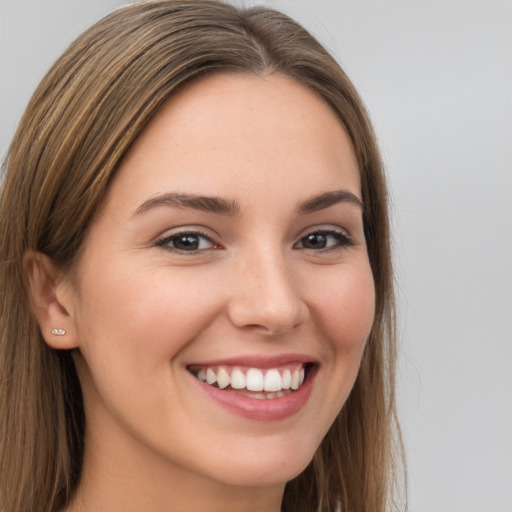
(270, 465)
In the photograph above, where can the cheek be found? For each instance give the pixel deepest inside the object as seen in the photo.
(131, 331)
(342, 308)
(174, 307)
(144, 320)
(346, 308)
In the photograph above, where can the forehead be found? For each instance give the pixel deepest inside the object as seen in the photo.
(255, 132)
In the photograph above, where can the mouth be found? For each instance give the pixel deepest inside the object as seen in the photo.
(253, 382)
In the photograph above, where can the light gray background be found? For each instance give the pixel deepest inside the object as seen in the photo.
(437, 78)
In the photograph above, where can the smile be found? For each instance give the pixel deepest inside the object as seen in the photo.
(252, 382)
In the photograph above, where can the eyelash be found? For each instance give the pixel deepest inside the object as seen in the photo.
(165, 242)
(343, 240)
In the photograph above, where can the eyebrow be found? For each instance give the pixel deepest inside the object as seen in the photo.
(326, 199)
(232, 208)
(196, 202)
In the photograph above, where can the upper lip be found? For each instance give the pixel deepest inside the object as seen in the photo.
(257, 361)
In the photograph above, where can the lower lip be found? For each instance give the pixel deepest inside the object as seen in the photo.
(269, 409)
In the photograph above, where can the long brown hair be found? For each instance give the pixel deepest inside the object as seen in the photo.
(91, 106)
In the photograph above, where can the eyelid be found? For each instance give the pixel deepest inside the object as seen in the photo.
(346, 241)
(324, 228)
(162, 240)
(342, 235)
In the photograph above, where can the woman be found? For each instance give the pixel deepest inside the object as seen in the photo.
(195, 256)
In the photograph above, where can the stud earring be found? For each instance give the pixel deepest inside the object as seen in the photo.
(58, 332)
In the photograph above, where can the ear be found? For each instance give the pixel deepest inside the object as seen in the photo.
(51, 299)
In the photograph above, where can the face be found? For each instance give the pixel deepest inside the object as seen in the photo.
(223, 295)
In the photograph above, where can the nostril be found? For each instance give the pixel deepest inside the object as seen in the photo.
(267, 318)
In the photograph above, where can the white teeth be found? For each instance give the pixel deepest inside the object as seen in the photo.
(237, 379)
(295, 380)
(272, 381)
(287, 379)
(254, 380)
(223, 379)
(211, 378)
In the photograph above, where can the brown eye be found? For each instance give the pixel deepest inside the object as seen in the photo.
(324, 240)
(186, 242)
(314, 241)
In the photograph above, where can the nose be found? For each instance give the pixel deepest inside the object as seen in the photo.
(267, 296)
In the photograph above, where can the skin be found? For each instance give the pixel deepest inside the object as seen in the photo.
(139, 311)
